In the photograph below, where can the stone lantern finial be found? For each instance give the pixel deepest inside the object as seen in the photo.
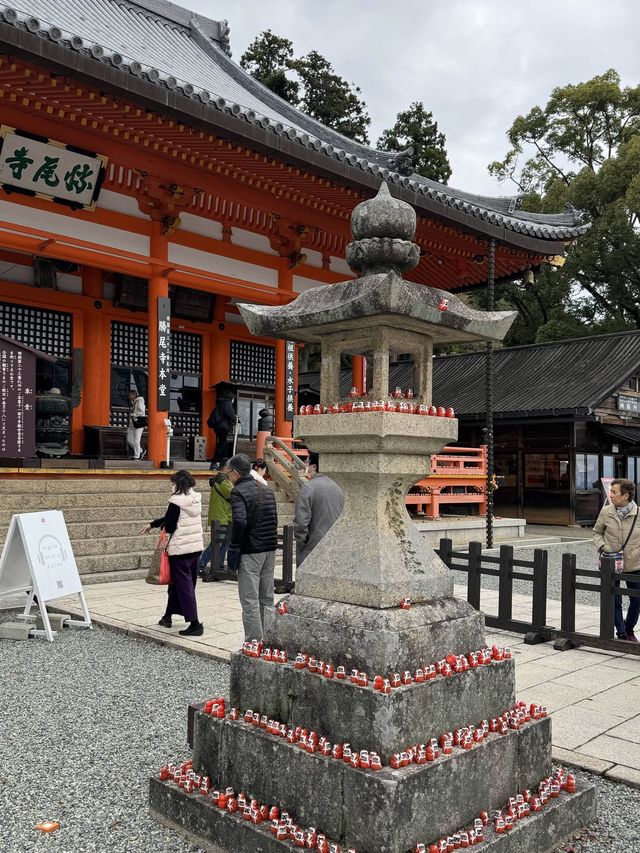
(383, 229)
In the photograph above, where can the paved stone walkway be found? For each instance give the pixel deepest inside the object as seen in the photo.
(594, 696)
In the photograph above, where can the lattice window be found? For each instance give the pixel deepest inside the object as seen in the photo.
(47, 331)
(185, 424)
(186, 353)
(119, 417)
(129, 344)
(253, 364)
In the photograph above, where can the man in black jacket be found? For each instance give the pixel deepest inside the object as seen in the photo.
(254, 536)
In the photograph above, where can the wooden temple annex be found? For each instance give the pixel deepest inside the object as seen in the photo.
(140, 164)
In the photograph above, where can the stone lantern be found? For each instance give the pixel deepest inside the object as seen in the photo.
(346, 613)
(374, 555)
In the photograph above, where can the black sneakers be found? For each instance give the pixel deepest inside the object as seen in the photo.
(195, 629)
(165, 622)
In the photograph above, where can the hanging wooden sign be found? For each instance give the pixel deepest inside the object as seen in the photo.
(35, 165)
(163, 333)
(290, 379)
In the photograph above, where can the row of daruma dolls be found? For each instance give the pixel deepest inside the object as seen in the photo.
(404, 407)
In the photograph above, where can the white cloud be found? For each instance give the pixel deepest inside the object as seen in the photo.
(476, 64)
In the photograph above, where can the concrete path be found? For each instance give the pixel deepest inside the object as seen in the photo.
(594, 696)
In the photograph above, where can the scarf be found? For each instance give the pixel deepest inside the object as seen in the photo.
(623, 511)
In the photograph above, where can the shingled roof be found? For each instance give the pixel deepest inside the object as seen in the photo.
(153, 43)
(562, 377)
(569, 377)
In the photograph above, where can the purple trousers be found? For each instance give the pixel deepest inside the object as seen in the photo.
(182, 589)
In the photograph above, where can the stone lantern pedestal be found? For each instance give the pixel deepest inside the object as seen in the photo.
(347, 613)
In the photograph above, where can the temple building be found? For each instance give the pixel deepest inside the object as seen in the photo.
(148, 184)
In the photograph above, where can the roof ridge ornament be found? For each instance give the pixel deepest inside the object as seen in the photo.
(402, 162)
(383, 229)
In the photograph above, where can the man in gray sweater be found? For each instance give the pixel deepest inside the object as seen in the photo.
(318, 505)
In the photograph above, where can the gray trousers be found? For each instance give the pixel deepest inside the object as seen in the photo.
(255, 588)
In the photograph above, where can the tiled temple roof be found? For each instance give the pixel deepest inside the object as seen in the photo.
(169, 46)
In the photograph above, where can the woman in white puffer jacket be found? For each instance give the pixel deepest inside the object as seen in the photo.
(182, 523)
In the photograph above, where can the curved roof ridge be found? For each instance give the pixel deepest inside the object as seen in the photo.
(197, 47)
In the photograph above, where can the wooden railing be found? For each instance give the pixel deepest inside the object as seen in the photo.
(458, 476)
(284, 465)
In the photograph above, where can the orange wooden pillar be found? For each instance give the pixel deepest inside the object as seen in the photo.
(283, 428)
(158, 286)
(77, 415)
(219, 362)
(96, 388)
(357, 372)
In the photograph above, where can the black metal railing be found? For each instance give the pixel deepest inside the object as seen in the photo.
(507, 569)
(220, 536)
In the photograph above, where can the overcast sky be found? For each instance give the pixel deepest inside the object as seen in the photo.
(476, 64)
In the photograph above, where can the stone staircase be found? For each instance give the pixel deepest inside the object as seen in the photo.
(104, 515)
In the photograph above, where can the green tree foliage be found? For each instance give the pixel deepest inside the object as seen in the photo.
(416, 128)
(268, 58)
(308, 82)
(330, 99)
(581, 149)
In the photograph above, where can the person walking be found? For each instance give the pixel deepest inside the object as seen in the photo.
(318, 506)
(254, 536)
(616, 532)
(137, 422)
(182, 522)
(220, 511)
(222, 420)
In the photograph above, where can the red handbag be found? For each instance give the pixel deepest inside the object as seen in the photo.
(165, 568)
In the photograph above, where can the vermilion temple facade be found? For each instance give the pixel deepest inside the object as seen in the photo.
(140, 163)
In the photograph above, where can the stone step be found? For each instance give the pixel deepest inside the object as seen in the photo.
(143, 545)
(104, 516)
(367, 806)
(111, 563)
(89, 485)
(124, 562)
(113, 577)
(107, 501)
(212, 828)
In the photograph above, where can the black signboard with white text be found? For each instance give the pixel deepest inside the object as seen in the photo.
(290, 379)
(17, 400)
(163, 333)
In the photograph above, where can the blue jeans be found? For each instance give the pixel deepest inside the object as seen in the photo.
(626, 626)
(206, 554)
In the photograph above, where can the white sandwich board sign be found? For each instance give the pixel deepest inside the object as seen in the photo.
(37, 558)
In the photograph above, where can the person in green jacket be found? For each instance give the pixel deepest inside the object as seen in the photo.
(220, 511)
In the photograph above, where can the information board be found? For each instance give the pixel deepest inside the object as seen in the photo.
(17, 400)
(37, 558)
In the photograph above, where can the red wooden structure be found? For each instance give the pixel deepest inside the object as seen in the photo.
(458, 476)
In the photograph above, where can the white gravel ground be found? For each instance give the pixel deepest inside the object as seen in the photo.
(87, 719)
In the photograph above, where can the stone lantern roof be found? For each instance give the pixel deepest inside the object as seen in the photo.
(381, 251)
